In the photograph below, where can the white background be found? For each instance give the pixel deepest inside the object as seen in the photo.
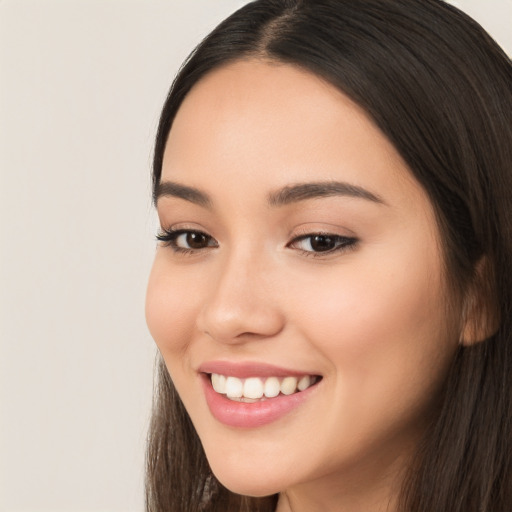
(81, 85)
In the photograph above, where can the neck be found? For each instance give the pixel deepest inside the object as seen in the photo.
(369, 487)
(296, 501)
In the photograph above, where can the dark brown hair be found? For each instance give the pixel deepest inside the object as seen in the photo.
(441, 90)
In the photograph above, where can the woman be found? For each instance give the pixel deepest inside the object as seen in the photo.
(332, 294)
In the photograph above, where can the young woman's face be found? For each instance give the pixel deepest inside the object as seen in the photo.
(298, 250)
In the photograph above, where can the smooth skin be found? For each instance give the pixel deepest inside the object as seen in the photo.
(368, 311)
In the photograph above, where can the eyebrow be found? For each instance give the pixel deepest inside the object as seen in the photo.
(284, 196)
(304, 191)
(172, 189)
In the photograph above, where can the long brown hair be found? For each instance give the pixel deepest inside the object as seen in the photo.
(441, 90)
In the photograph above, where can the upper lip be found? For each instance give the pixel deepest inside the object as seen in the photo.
(244, 370)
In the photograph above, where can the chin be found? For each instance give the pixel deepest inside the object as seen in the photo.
(249, 489)
(256, 483)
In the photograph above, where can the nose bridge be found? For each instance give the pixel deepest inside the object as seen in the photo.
(241, 301)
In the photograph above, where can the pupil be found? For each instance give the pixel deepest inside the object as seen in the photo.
(322, 243)
(196, 240)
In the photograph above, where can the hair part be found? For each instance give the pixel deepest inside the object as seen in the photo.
(440, 89)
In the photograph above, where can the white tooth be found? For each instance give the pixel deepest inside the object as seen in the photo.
(253, 388)
(289, 385)
(219, 383)
(234, 387)
(272, 387)
(246, 400)
(304, 383)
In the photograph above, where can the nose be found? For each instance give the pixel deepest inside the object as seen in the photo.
(242, 303)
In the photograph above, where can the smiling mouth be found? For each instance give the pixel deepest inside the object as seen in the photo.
(259, 389)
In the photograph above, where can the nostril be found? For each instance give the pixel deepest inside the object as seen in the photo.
(241, 323)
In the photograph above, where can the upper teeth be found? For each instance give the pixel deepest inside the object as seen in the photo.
(255, 388)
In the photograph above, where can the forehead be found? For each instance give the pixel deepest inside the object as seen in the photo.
(266, 123)
(263, 98)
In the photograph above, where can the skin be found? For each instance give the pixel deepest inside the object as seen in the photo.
(371, 319)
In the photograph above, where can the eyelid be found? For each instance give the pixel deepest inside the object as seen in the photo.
(344, 243)
(169, 235)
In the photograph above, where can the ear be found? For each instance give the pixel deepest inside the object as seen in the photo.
(480, 313)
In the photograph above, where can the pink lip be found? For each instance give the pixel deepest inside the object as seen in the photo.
(248, 369)
(250, 415)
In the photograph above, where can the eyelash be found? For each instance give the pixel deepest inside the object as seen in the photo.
(169, 238)
(342, 244)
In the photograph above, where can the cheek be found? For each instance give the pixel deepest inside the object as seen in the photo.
(379, 323)
(384, 336)
(169, 311)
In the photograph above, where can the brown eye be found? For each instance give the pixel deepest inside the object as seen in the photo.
(191, 240)
(186, 240)
(194, 240)
(319, 243)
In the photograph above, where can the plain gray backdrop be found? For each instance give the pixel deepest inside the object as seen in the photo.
(81, 85)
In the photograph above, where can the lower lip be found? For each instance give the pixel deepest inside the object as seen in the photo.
(251, 415)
